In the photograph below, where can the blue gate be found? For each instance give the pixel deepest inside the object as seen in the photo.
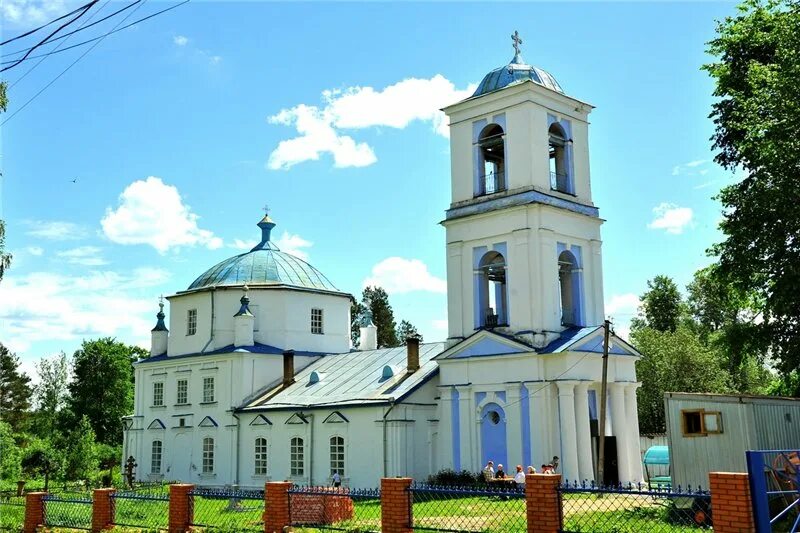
(775, 489)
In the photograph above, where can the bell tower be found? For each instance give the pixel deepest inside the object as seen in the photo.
(523, 236)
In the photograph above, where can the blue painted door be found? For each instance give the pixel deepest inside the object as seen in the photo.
(493, 436)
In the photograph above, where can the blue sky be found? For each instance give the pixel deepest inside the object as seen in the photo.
(181, 128)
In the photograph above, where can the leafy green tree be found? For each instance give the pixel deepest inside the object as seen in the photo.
(405, 330)
(102, 386)
(5, 257)
(3, 98)
(377, 301)
(10, 454)
(673, 361)
(757, 118)
(42, 459)
(357, 314)
(15, 391)
(662, 306)
(80, 456)
(50, 394)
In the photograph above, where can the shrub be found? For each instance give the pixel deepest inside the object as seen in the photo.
(451, 478)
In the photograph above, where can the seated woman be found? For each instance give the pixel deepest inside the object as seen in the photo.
(500, 474)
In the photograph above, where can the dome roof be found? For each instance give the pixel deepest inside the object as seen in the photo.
(265, 264)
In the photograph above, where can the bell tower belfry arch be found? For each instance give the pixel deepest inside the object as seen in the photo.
(523, 235)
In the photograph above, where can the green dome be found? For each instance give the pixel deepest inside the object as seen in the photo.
(265, 264)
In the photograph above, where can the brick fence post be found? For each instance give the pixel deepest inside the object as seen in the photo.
(34, 511)
(731, 506)
(396, 515)
(276, 506)
(102, 509)
(543, 503)
(181, 510)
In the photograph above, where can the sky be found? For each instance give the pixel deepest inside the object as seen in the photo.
(151, 158)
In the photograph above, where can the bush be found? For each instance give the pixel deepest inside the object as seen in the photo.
(451, 478)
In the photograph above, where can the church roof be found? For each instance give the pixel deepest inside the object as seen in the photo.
(354, 378)
(265, 264)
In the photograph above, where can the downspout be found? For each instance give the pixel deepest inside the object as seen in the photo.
(311, 451)
(236, 450)
(211, 335)
(386, 439)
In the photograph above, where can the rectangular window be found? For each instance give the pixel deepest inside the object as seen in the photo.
(208, 389)
(261, 457)
(296, 457)
(208, 455)
(183, 392)
(700, 423)
(191, 322)
(337, 455)
(158, 394)
(155, 457)
(316, 321)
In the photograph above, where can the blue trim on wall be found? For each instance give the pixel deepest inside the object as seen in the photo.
(454, 414)
(593, 405)
(502, 395)
(493, 436)
(525, 413)
(522, 198)
(479, 396)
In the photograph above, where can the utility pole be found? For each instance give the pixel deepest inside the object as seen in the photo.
(601, 431)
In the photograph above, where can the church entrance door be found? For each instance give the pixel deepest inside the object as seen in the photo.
(493, 435)
(181, 458)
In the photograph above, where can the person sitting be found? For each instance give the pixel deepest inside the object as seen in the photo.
(500, 474)
(547, 469)
(488, 471)
(531, 470)
(519, 477)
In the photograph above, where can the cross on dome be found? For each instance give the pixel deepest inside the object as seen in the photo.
(517, 41)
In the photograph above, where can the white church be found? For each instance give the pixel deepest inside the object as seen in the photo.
(255, 378)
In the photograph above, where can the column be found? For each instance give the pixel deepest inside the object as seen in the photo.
(455, 291)
(520, 283)
(468, 443)
(569, 439)
(180, 508)
(540, 432)
(513, 411)
(596, 257)
(548, 262)
(620, 428)
(276, 506)
(543, 503)
(102, 509)
(632, 415)
(446, 437)
(34, 512)
(396, 506)
(584, 431)
(731, 506)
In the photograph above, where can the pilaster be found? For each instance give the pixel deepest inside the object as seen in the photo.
(620, 427)
(513, 411)
(584, 432)
(466, 412)
(632, 415)
(569, 439)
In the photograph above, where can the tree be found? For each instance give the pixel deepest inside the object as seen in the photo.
(42, 459)
(15, 391)
(756, 119)
(405, 330)
(357, 314)
(3, 96)
(377, 301)
(10, 454)
(662, 305)
(673, 361)
(5, 257)
(102, 386)
(50, 393)
(80, 456)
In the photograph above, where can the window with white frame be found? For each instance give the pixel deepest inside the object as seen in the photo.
(491, 157)
(316, 321)
(208, 389)
(208, 455)
(296, 457)
(261, 457)
(183, 392)
(155, 457)
(337, 455)
(191, 322)
(158, 394)
(492, 294)
(569, 288)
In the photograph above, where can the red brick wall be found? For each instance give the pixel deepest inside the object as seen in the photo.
(276, 506)
(180, 508)
(396, 505)
(102, 509)
(319, 509)
(34, 512)
(543, 503)
(731, 507)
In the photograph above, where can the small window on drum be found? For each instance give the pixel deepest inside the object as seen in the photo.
(494, 417)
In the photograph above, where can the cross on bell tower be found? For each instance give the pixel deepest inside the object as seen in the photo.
(517, 41)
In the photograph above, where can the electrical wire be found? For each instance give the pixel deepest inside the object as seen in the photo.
(105, 34)
(83, 27)
(42, 26)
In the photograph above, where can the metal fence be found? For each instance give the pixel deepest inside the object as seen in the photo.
(500, 509)
(228, 509)
(775, 489)
(335, 508)
(12, 511)
(145, 509)
(73, 511)
(632, 509)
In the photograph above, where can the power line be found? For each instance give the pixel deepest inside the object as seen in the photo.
(42, 26)
(83, 27)
(43, 89)
(105, 34)
(43, 41)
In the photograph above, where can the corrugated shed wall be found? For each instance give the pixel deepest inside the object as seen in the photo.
(777, 424)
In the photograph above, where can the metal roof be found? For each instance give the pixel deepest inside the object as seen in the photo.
(265, 264)
(517, 71)
(352, 378)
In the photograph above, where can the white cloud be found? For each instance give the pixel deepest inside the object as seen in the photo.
(671, 218)
(623, 304)
(398, 275)
(35, 250)
(215, 60)
(294, 244)
(395, 106)
(180, 40)
(32, 12)
(686, 168)
(56, 230)
(439, 324)
(240, 244)
(151, 212)
(83, 255)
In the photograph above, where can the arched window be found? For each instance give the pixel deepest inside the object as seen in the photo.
(296, 457)
(569, 285)
(492, 160)
(155, 457)
(560, 176)
(261, 456)
(208, 455)
(337, 455)
(492, 295)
